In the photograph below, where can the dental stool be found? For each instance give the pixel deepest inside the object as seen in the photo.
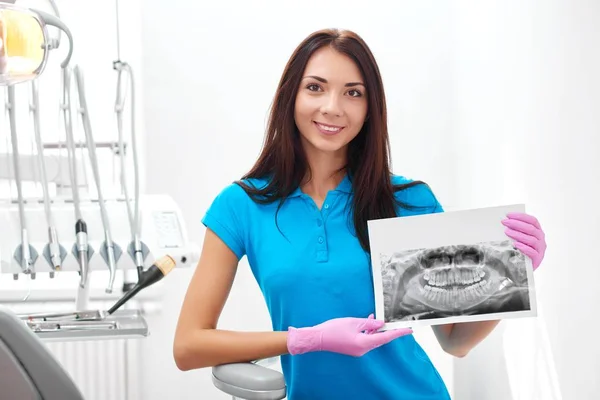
(28, 371)
(249, 381)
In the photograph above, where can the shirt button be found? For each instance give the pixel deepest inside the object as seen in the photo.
(319, 222)
(326, 206)
(320, 239)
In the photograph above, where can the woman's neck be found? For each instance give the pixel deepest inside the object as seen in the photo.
(325, 174)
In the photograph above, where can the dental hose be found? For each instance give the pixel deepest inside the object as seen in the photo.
(53, 243)
(155, 273)
(134, 217)
(80, 224)
(26, 259)
(91, 145)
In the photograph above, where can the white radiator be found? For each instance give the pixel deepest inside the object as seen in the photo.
(102, 369)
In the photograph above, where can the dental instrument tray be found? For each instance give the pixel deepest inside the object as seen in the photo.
(88, 315)
(87, 325)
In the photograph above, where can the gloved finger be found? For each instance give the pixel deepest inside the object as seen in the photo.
(381, 338)
(528, 251)
(529, 219)
(369, 331)
(521, 237)
(371, 324)
(524, 227)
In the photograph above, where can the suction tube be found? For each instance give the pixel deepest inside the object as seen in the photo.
(155, 273)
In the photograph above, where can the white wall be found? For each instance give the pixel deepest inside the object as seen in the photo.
(526, 115)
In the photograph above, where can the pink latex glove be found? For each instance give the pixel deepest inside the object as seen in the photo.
(349, 336)
(528, 235)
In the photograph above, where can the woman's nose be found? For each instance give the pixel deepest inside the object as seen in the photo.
(332, 105)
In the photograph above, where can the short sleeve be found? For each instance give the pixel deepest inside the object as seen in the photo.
(226, 218)
(430, 199)
(416, 200)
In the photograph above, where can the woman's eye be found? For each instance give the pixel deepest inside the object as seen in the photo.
(312, 87)
(355, 93)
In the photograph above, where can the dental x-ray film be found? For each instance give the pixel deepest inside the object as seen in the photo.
(456, 266)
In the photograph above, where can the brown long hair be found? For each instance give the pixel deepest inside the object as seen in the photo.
(282, 159)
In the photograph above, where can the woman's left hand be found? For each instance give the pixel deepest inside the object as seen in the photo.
(528, 235)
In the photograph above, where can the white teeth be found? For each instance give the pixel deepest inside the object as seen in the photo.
(328, 128)
(453, 276)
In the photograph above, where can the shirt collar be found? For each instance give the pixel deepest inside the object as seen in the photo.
(345, 186)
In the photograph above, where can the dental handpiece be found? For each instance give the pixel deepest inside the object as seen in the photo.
(134, 216)
(54, 248)
(26, 260)
(91, 145)
(112, 263)
(82, 251)
(53, 243)
(139, 257)
(80, 225)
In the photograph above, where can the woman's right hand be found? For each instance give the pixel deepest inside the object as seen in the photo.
(349, 336)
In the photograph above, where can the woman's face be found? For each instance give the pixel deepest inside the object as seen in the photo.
(331, 105)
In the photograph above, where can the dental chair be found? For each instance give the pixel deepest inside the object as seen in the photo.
(28, 371)
(249, 381)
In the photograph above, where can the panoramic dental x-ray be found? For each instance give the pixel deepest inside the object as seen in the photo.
(457, 280)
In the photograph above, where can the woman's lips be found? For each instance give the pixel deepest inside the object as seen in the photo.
(327, 129)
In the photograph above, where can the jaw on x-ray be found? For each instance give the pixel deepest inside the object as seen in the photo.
(451, 281)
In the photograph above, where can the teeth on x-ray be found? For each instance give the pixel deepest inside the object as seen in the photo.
(457, 280)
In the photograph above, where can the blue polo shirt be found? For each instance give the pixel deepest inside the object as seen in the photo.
(311, 268)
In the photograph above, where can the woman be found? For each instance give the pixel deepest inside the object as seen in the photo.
(300, 217)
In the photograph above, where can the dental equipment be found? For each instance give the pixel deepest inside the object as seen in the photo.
(24, 62)
(23, 59)
(137, 249)
(159, 219)
(25, 254)
(155, 273)
(81, 249)
(110, 251)
(54, 252)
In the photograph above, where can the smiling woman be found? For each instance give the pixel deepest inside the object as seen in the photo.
(331, 104)
(300, 216)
